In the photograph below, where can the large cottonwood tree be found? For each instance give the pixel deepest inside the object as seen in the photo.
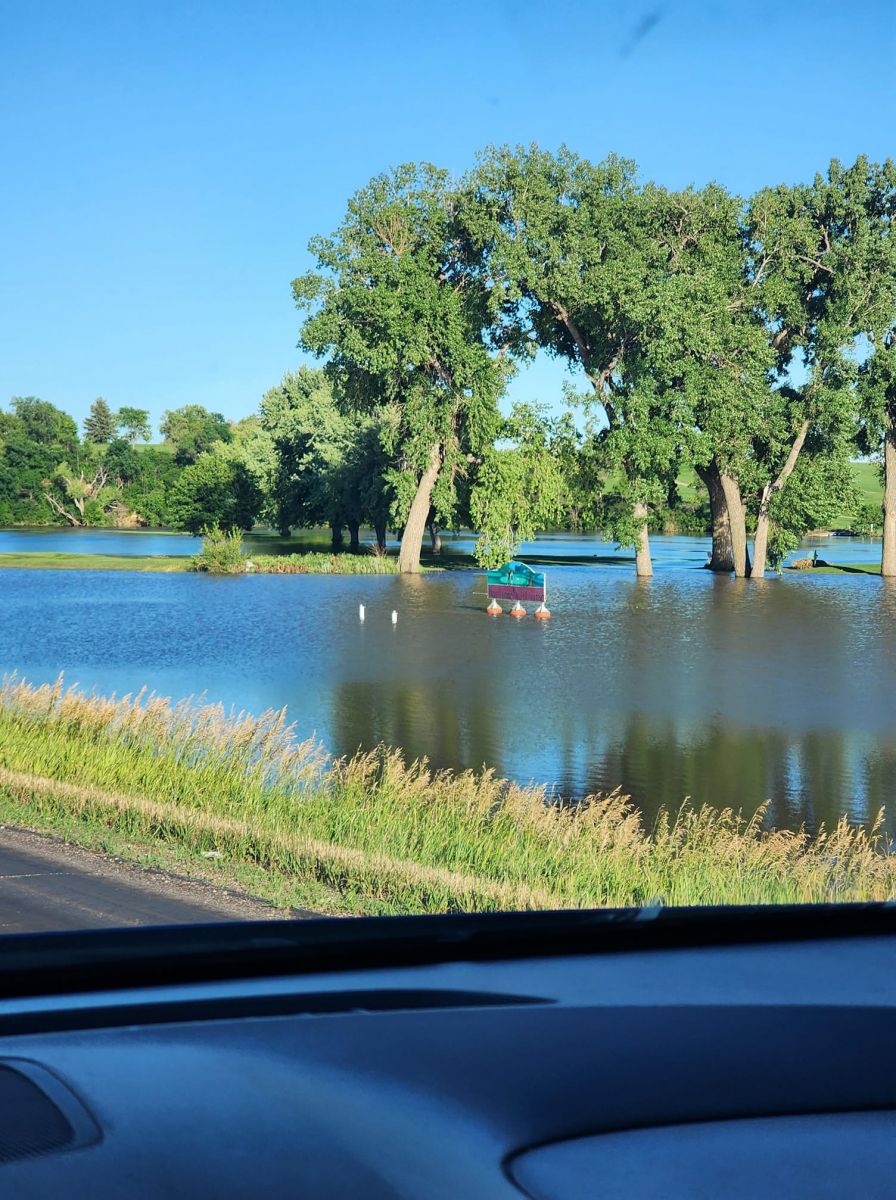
(819, 261)
(877, 396)
(623, 281)
(400, 311)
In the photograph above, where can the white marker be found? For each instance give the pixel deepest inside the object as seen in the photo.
(394, 617)
(360, 612)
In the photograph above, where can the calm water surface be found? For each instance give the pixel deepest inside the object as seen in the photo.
(723, 690)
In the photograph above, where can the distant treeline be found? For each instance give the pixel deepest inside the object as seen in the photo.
(749, 342)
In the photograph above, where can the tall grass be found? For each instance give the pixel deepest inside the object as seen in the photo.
(387, 836)
(320, 563)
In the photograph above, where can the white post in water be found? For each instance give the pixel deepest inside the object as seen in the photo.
(360, 612)
(394, 617)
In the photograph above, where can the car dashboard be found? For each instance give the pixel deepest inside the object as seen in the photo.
(595, 1055)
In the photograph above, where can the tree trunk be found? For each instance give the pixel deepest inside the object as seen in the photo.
(722, 558)
(379, 528)
(336, 537)
(643, 565)
(415, 526)
(737, 523)
(354, 543)
(435, 537)
(888, 552)
(760, 542)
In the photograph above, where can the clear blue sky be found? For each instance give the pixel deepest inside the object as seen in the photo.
(164, 164)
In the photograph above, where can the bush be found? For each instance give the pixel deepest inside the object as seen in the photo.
(868, 520)
(222, 552)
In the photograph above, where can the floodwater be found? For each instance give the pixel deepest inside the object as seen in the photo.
(730, 692)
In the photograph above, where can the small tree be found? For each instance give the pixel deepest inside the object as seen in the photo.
(134, 423)
(100, 426)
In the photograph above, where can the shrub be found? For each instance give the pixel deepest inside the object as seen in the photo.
(868, 520)
(222, 552)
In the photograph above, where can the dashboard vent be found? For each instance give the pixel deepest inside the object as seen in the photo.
(38, 1113)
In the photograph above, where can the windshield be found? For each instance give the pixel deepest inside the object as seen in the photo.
(447, 458)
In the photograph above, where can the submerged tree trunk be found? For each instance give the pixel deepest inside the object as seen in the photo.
(888, 551)
(336, 536)
(354, 543)
(737, 523)
(643, 565)
(760, 539)
(760, 542)
(435, 537)
(415, 526)
(722, 558)
(379, 528)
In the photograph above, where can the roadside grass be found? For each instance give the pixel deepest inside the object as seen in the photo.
(373, 834)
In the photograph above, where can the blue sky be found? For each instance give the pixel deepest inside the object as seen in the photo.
(164, 164)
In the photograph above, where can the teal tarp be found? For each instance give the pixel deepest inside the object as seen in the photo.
(516, 574)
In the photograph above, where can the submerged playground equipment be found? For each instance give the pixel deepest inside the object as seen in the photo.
(515, 581)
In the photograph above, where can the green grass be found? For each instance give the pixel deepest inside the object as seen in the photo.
(838, 569)
(312, 563)
(323, 563)
(39, 559)
(372, 834)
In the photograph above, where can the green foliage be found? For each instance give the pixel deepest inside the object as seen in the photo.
(310, 439)
(214, 491)
(192, 430)
(46, 425)
(868, 520)
(134, 423)
(821, 488)
(520, 487)
(100, 425)
(222, 552)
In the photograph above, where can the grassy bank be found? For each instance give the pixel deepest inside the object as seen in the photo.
(371, 834)
(311, 563)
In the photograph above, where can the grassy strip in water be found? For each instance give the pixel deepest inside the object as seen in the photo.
(312, 563)
(837, 569)
(39, 559)
(377, 835)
